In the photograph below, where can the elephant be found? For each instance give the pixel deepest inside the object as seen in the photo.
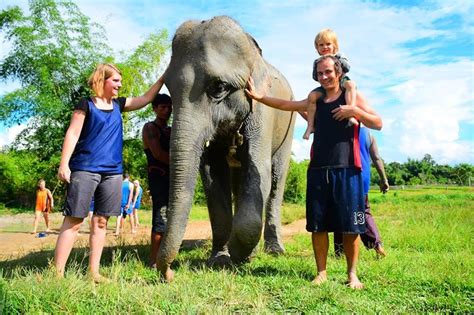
(242, 149)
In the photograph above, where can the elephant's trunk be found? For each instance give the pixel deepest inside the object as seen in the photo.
(185, 153)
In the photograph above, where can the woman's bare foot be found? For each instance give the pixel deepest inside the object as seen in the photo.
(353, 282)
(320, 278)
(97, 278)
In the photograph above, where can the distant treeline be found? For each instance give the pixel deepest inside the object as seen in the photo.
(21, 169)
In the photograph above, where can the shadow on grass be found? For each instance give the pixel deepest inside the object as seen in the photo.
(37, 261)
(193, 254)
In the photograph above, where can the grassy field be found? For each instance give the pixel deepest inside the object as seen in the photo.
(428, 234)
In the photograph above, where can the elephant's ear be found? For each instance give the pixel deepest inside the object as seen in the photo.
(254, 41)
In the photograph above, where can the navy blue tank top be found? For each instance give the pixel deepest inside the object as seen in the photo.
(99, 148)
(154, 165)
(334, 144)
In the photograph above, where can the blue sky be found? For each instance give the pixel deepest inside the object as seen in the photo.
(414, 60)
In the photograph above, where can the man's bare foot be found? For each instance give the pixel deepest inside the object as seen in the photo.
(48, 231)
(353, 282)
(380, 251)
(320, 278)
(168, 275)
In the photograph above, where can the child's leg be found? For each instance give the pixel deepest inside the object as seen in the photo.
(66, 239)
(90, 220)
(135, 213)
(36, 221)
(310, 127)
(132, 222)
(351, 96)
(46, 220)
(97, 241)
(117, 226)
(311, 114)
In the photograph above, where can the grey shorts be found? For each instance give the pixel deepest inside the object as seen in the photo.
(106, 190)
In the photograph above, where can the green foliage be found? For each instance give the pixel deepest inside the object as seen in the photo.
(20, 172)
(295, 188)
(199, 193)
(428, 270)
(53, 50)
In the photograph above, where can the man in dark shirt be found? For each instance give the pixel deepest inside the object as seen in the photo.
(334, 198)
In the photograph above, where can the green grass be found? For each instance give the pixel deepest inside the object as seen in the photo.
(428, 234)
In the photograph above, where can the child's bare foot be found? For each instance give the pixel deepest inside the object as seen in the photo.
(306, 135)
(320, 278)
(380, 251)
(352, 121)
(353, 282)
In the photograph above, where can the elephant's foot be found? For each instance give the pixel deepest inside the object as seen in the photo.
(274, 248)
(219, 259)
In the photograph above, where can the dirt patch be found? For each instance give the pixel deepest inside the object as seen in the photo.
(16, 242)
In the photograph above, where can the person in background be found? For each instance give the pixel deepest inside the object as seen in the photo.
(44, 205)
(126, 206)
(371, 237)
(136, 202)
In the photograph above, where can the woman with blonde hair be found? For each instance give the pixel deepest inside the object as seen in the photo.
(91, 163)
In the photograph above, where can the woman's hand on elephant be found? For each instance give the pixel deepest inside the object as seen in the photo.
(251, 91)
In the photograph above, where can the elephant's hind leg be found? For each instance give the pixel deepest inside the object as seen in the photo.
(216, 180)
(272, 234)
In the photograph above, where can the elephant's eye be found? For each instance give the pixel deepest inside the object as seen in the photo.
(218, 89)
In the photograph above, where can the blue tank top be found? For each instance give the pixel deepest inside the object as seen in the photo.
(99, 148)
(139, 198)
(364, 139)
(125, 192)
(334, 144)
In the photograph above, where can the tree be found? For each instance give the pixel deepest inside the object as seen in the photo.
(54, 50)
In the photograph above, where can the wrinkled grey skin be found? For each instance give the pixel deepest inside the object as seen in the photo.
(210, 65)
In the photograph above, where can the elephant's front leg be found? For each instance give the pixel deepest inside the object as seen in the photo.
(215, 175)
(247, 223)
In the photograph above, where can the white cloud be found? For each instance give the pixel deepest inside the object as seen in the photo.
(9, 135)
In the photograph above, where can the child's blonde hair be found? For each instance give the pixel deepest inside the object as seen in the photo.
(102, 72)
(327, 35)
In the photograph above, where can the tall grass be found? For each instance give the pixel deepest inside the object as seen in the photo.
(429, 268)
